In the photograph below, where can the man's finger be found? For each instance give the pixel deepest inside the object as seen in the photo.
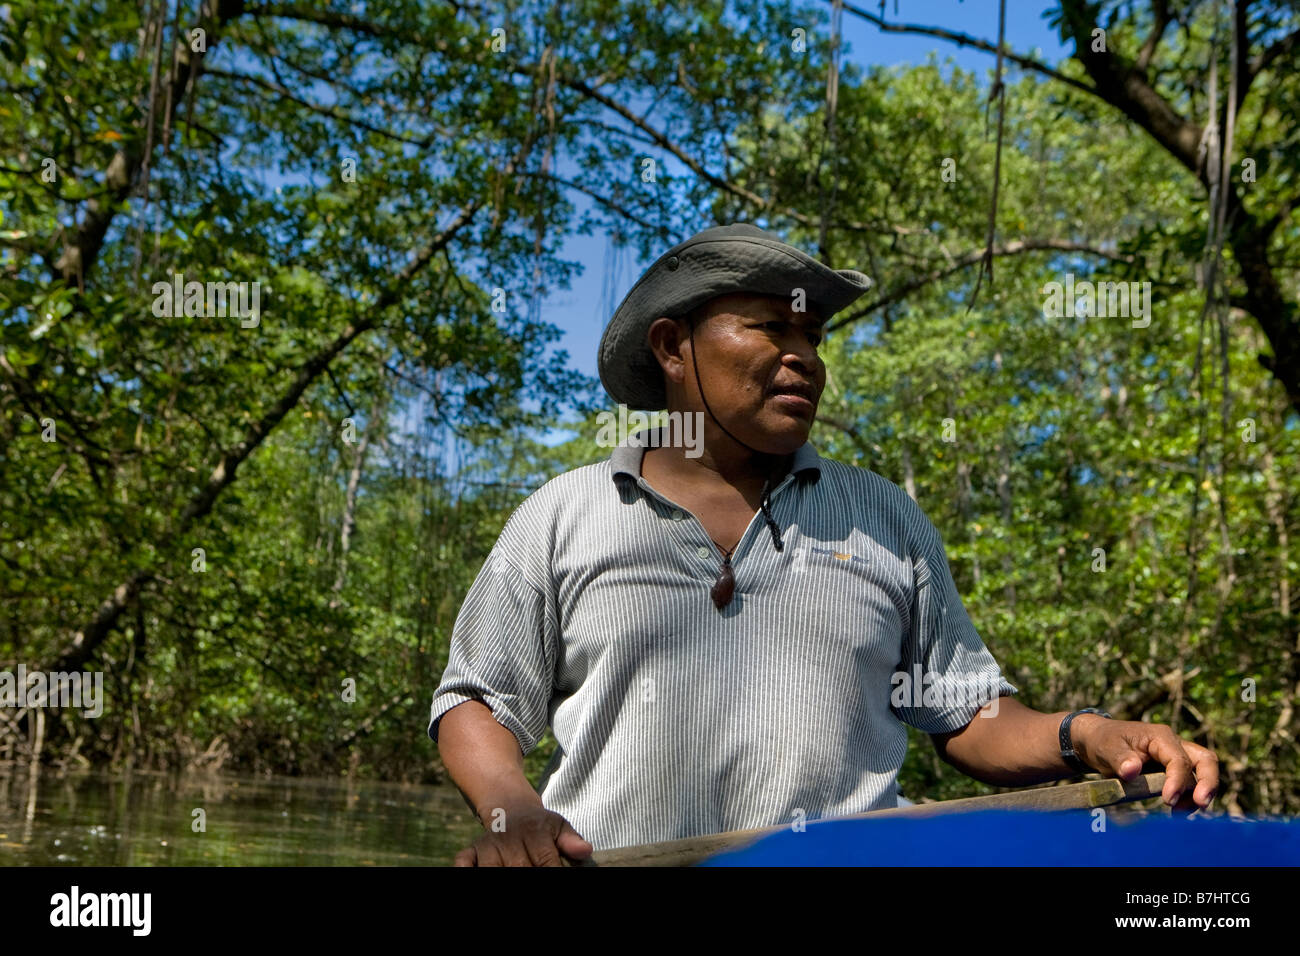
(571, 844)
(466, 857)
(541, 849)
(1164, 746)
(511, 848)
(488, 853)
(1126, 764)
(1205, 763)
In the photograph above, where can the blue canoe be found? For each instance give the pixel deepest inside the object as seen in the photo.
(1028, 838)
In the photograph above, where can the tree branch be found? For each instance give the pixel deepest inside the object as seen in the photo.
(1160, 13)
(607, 203)
(965, 39)
(332, 112)
(82, 250)
(713, 179)
(1262, 61)
(1118, 83)
(1015, 248)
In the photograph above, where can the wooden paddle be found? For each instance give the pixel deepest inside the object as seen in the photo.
(1074, 796)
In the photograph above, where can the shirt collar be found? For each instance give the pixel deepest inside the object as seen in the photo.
(626, 459)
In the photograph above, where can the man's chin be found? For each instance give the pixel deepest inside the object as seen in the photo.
(780, 434)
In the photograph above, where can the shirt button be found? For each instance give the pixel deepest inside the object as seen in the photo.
(677, 516)
(702, 551)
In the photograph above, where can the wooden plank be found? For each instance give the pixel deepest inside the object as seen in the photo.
(1074, 796)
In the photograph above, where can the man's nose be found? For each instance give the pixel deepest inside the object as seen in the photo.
(802, 353)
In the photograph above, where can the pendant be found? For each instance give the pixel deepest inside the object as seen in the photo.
(724, 587)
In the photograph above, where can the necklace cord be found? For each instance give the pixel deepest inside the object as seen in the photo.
(765, 497)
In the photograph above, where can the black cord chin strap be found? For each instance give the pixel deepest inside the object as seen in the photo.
(763, 502)
(765, 496)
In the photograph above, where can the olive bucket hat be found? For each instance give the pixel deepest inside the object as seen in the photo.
(721, 260)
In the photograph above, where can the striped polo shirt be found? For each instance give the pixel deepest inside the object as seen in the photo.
(673, 718)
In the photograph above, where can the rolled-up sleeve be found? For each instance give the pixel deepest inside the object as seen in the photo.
(947, 674)
(502, 653)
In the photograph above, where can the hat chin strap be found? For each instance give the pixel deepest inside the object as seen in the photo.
(763, 501)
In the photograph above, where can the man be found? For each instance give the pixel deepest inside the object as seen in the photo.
(731, 639)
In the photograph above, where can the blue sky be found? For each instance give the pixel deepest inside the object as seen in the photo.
(583, 311)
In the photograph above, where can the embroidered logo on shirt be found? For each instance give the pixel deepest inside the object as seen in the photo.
(801, 558)
(837, 555)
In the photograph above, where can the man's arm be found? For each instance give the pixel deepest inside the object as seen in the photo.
(486, 764)
(1008, 744)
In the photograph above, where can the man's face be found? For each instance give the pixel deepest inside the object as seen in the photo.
(759, 368)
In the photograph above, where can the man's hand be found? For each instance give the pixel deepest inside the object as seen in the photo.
(487, 765)
(1122, 747)
(1011, 745)
(528, 836)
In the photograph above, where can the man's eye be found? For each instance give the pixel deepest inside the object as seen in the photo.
(815, 339)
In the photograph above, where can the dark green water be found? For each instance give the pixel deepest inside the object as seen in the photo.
(92, 819)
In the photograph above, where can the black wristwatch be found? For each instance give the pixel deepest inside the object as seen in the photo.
(1067, 745)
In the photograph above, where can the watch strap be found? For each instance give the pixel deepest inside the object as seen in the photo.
(1067, 744)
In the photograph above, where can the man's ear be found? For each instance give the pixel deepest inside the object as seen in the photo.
(668, 339)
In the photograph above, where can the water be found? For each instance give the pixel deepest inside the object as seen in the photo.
(148, 819)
